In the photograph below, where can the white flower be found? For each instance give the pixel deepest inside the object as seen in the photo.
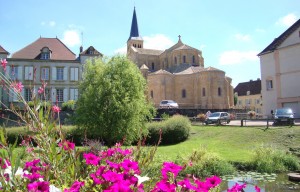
(54, 189)
(141, 179)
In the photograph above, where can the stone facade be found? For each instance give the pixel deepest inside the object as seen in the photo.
(178, 73)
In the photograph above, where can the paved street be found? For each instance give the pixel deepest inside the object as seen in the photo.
(255, 122)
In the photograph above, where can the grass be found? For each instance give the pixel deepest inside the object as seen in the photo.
(233, 144)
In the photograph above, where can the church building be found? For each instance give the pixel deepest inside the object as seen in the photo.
(179, 74)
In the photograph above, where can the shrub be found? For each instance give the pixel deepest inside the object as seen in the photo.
(68, 105)
(203, 163)
(173, 130)
(271, 160)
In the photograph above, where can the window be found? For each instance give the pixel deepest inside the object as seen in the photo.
(203, 92)
(28, 72)
(151, 94)
(184, 59)
(27, 94)
(59, 73)
(183, 93)
(46, 95)
(45, 53)
(45, 74)
(269, 84)
(152, 66)
(60, 95)
(74, 94)
(175, 60)
(193, 59)
(257, 101)
(74, 74)
(219, 91)
(14, 73)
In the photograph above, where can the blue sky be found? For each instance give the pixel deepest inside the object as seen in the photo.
(229, 33)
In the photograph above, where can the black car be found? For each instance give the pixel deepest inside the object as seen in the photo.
(284, 116)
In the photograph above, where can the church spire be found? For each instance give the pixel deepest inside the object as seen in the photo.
(134, 32)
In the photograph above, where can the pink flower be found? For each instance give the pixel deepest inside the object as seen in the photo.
(213, 181)
(186, 185)
(18, 87)
(42, 186)
(55, 109)
(32, 166)
(33, 177)
(67, 145)
(164, 185)
(170, 167)
(236, 188)
(75, 187)
(3, 63)
(91, 159)
(40, 90)
(257, 189)
(130, 166)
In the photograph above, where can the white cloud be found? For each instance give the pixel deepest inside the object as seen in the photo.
(71, 38)
(241, 37)
(287, 20)
(52, 23)
(237, 57)
(157, 41)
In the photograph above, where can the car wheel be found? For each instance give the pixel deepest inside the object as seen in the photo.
(228, 121)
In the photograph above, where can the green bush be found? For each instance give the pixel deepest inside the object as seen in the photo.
(68, 105)
(271, 160)
(173, 130)
(203, 164)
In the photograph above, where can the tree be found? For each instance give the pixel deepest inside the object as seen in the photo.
(112, 105)
(235, 99)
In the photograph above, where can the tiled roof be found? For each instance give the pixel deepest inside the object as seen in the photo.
(148, 51)
(91, 51)
(2, 50)
(253, 86)
(59, 51)
(144, 67)
(212, 69)
(134, 31)
(184, 46)
(161, 71)
(277, 41)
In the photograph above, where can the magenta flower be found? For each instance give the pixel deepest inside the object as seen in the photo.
(119, 186)
(257, 189)
(75, 187)
(186, 185)
(55, 109)
(164, 185)
(4, 63)
(236, 188)
(112, 176)
(130, 166)
(18, 87)
(4, 164)
(91, 159)
(170, 167)
(213, 181)
(42, 186)
(67, 145)
(40, 90)
(32, 166)
(33, 177)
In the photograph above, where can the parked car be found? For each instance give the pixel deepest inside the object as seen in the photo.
(284, 116)
(168, 104)
(217, 118)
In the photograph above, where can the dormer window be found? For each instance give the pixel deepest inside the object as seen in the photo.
(45, 53)
(91, 51)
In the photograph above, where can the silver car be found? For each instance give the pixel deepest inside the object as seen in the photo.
(217, 118)
(168, 104)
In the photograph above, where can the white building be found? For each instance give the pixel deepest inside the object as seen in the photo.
(280, 72)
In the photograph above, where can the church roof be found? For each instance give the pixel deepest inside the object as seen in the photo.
(212, 69)
(134, 31)
(277, 41)
(161, 71)
(144, 67)
(190, 70)
(184, 46)
(59, 51)
(148, 51)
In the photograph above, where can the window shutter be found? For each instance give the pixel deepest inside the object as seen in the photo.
(72, 78)
(65, 95)
(65, 73)
(20, 73)
(7, 72)
(53, 95)
(26, 73)
(75, 94)
(53, 73)
(76, 74)
(31, 73)
(72, 94)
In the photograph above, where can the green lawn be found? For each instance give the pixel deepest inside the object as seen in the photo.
(233, 143)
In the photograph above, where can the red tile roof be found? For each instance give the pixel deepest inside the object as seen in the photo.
(253, 86)
(2, 50)
(59, 51)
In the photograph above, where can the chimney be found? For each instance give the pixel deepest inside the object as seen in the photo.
(80, 49)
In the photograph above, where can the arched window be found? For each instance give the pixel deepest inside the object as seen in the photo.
(183, 93)
(151, 94)
(193, 59)
(203, 92)
(219, 91)
(184, 59)
(152, 66)
(175, 60)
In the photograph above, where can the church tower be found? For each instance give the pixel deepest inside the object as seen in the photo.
(134, 39)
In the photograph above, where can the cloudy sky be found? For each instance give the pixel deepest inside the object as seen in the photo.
(230, 34)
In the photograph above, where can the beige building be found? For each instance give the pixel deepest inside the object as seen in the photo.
(249, 96)
(50, 61)
(178, 73)
(280, 72)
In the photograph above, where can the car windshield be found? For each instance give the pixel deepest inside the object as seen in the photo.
(284, 112)
(217, 114)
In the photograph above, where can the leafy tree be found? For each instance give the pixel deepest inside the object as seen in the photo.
(112, 105)
(235, 99)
